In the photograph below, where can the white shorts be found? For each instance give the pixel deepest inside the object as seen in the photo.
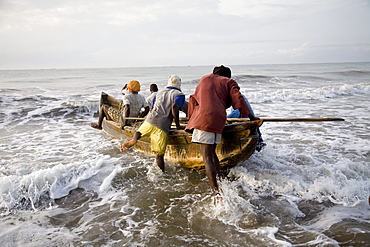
(204, 137)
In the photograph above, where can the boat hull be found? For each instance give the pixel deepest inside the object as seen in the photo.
(238, 143)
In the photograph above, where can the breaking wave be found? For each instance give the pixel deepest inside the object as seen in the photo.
(23, 109)
(309, 93)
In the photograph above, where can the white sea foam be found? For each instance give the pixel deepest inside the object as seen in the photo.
(336, 214)
(40, 186)
(310, 178)
(319, 93)
(31, 233)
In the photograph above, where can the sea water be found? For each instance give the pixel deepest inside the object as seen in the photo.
(63, 183)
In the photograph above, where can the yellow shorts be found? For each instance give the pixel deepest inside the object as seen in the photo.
(158, 138)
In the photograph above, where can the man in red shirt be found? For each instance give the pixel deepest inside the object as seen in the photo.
(207, 116)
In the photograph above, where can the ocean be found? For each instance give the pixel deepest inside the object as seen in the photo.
(63, 183)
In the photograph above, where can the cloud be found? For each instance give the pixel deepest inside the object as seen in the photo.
(82, 33)
(109, 12)
(78, 12)
(267, 9)
(253, 8)
(295, 51)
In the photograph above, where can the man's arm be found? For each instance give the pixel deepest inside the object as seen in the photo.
(185, 108)
(125, 113)
(175, 114)
(126, 110)
(252, 117)
(237, 100)
(145, 112)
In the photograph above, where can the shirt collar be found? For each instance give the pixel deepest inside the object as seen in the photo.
(174, 88)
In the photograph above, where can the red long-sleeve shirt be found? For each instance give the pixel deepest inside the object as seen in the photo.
(207, 106)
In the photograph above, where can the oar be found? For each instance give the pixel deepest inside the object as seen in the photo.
(288, 119)
(135, 118)
(142, 118)
(301, 119)
(264, 119)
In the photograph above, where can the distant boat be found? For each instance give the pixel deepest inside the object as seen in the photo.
(238, 143)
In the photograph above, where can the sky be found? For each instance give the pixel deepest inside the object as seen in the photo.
(42, 34)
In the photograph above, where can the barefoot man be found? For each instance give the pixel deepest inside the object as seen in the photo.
(131, 106)
(207, 116)
(167, 104)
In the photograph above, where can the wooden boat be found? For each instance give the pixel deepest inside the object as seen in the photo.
(238, 143)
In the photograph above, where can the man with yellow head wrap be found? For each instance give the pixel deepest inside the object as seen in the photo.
(131, 106)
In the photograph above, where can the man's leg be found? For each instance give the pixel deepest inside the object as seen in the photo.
(102, 114)
(103, 99)
(158, 144)
(160, 162)
(211, 164)
(215, 160)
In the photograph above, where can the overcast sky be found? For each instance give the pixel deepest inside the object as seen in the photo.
(121, 33)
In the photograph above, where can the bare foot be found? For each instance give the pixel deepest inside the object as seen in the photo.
(127, 145)
(217, 198)
(96, 126)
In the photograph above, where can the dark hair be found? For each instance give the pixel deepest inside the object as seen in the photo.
(222, 71)
(153, 87)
